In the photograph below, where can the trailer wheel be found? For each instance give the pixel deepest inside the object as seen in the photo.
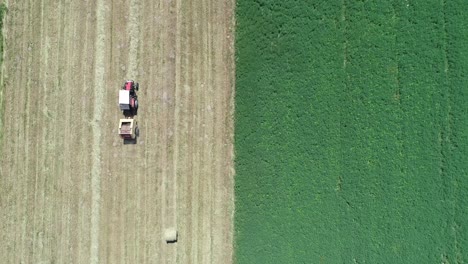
(137, 131)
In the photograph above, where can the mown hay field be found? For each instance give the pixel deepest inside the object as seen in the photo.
(71, 191)
(351, 131)
(3, 10)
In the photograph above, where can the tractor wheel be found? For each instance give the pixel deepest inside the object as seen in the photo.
(135, 104)
(137, 86)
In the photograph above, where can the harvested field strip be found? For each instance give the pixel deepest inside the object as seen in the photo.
(99, 90)
(3, 10)
(351, 130)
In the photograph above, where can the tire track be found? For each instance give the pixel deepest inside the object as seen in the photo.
(182, 128)
(116, 185)
(134, 38)
(99, 84)
(170, 76)
(22, 205)
(28, 164)
(149, 139)
(191, 142)
(12, 133)
(60, 102)
(39, 233)
(26, 118)
(159, 141)
(224, 136)
(40, 137)
(149, 246)
(73, 117)
(204, 139)
(210, 150)
(82, 181)
(173, 137)
(208, 133)
(69, 79)
(46, 77)
(54, 161)
(195, 64)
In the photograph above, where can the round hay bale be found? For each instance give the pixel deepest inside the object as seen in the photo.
(170, 235)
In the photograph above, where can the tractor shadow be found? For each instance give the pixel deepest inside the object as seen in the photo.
(130, 113)
(130, 141)
(133, 141)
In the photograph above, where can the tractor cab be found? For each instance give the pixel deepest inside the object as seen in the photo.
(128, 100)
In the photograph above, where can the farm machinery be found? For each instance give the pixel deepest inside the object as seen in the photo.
(128, 99)
(128, 103)
(128, 128)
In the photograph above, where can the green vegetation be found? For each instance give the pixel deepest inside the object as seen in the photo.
(3, 10)
(351, 131)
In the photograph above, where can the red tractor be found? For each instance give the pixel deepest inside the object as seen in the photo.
(128, 100)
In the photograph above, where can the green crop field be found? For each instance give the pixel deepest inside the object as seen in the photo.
(351, 132)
